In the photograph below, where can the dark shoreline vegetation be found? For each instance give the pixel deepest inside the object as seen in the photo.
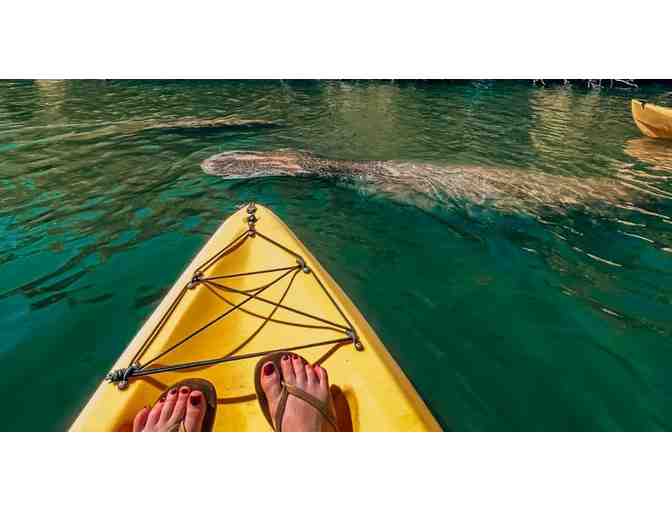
(607, 83)
(549, 320)
(601, 83)
(595, 83)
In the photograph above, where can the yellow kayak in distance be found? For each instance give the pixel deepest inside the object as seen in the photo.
(254, 288)
(652, 120)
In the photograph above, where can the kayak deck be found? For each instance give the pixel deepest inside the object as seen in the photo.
(255, 288)
(652, 120)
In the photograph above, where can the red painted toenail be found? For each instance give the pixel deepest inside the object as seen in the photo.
(195, 400)
(294, 356)
(184, 391)
(269, 369)
(285, 357)
(173, 391)
(162, 399)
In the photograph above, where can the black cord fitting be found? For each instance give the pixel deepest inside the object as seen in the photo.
(302, 264)
(195, 280)
(355, 340)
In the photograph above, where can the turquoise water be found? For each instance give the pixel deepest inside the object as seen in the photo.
(545, 319)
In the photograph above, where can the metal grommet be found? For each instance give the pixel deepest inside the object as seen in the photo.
(195, 280)
(359, 346)
(302, 264)
(115, 375)
(251, 220)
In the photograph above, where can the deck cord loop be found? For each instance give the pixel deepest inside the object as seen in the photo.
(215, 285)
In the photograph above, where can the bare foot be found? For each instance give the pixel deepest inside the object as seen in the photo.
(299, 415)
(186, 405)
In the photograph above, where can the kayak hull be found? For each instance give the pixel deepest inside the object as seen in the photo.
(652, 120)
(305, 306)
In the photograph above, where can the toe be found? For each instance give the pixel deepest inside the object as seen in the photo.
(311, 377)
(287, 369)
(193, 420)
(299, 371)
(140, 419)
(180, 405)
(168, 406)
(270, 381)
(153, 417)
(322, 377)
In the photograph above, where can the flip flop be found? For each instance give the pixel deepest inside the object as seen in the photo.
(210, 395)
(324, 408)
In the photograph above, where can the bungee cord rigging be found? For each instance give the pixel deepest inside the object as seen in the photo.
(344, 332)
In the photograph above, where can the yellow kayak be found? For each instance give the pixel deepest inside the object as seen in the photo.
(652, 120)
(253, 289)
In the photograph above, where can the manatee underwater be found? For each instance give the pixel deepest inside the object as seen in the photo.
(425, 184)
(134, 127)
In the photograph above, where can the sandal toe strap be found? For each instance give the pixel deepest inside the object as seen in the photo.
(290, 389)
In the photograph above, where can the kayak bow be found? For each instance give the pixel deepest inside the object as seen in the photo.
(652, 120)
(254, 289)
